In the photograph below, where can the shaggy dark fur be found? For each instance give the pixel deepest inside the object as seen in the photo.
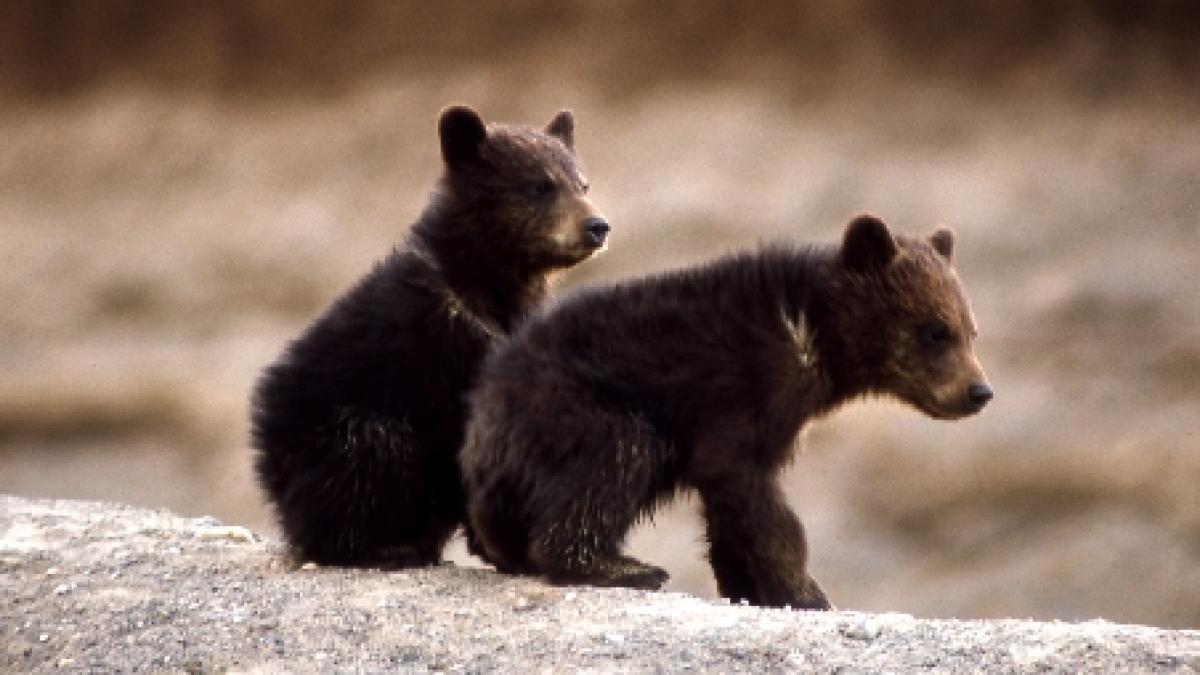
(358, 424)
(701, 379)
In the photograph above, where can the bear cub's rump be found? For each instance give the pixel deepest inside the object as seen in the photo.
(701, 379)
(358, 424)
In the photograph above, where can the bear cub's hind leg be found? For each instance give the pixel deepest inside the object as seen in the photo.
(354, 508)
(580, 541)
(757, 546)
(614, 572)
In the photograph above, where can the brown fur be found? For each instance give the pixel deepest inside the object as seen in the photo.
(701, 379)
(359, 422)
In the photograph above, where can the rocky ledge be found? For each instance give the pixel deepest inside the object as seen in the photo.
(100, 587)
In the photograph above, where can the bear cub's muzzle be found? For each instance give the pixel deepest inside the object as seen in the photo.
(596, 230)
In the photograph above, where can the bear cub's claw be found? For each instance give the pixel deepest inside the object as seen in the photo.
(622, 572)
(814, 597)
(641, 576)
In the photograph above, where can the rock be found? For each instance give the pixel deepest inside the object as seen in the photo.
(90, 586)
(866, 628)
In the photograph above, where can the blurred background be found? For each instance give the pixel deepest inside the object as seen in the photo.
(183, 186)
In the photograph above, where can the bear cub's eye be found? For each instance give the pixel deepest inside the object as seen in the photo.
(584, 188)
(544, 187)
(935, 334)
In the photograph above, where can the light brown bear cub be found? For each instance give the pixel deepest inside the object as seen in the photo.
(700, 379)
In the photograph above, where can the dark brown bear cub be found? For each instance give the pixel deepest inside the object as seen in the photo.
(358, 424)
(701, 379)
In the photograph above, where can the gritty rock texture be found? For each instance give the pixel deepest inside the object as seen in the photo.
(100, 587)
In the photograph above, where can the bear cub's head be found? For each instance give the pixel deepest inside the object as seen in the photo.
(525, 188)
(909, 307)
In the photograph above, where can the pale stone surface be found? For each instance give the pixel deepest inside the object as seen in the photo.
(88, 586)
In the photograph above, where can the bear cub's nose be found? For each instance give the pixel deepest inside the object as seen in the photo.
(978, 395)
(596, 229)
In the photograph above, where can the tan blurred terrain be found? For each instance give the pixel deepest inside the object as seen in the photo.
(183, 187)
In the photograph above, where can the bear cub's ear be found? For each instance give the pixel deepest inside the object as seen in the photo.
(943, 242)
(462, 132)
(563, 126)
(867, 244)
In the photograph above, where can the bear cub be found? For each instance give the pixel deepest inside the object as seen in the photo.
(357, 425)
(701, 379)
